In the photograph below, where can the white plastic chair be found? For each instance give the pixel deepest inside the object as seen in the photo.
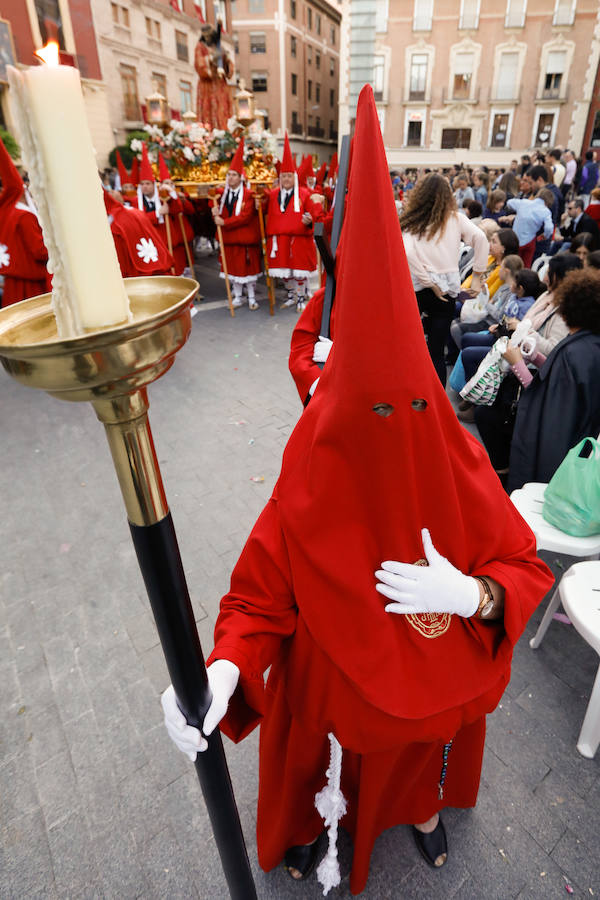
(529, 500)
(579, 592)
(539, 263)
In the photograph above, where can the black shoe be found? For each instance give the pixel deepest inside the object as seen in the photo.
(301, 857)
(433, 847)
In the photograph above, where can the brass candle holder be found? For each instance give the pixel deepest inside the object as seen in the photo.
(112, 368)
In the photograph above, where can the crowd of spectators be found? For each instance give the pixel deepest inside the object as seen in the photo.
(489, 248)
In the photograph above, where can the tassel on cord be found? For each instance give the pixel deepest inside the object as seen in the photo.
(331, 806)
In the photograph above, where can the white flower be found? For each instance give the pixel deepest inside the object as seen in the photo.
(136, 145)
(146, 250)
(188, 153)
(4, 256)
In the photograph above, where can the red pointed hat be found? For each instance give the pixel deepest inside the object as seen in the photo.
(123, 173)
(237, 163)
(305, 170)
(322, 172)
(146, 172)
(135, 171)
(287, 161)
(163, 169)
(377, 455)
(333, 166)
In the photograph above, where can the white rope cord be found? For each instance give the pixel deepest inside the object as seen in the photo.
(331, 806)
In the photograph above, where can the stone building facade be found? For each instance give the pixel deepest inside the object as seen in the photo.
(30, 22)
(288, 53)
(476, 81)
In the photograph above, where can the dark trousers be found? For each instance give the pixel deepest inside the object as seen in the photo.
(496, 422)
(436, 325)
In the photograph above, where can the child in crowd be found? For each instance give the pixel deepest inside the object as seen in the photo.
(528, 288)
(496, 205)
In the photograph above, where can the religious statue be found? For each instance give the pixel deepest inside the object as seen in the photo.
(214, 66)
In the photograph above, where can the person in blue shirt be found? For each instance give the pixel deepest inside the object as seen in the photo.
(589, 175)
(532, 217)
(528, 288)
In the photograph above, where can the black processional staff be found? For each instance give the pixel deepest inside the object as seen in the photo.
(327, 249)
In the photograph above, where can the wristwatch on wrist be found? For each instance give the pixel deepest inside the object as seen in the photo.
(486, 604)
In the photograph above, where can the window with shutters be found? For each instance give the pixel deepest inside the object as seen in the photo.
(293, 45)
(499, 130)
(508, 71)
(259, 82)
(564, 12)
(544, 130)
(317, 93)
(418, 76)
(413, 134)
(555, 69)
(185, 96)
(456, 138)
(181, 46)
(515, 13)
(423, 15)
(258, 42)
(159, 82)
(294, 84)
(292, 9)
(381, 15)
(131, 103)
(469, 14)
(256, 6)
(463, 75)
(309, 89)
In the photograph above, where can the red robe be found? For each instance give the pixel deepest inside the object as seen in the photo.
(241, 237)
(290, 244)
(214, 105)
(391, 766)
(139, 247)
(23, 254)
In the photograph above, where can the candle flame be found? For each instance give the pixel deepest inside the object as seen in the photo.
(49, 54)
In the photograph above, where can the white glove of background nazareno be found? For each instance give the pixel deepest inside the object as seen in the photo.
(223, 677)
(439, 587)
(322, 348)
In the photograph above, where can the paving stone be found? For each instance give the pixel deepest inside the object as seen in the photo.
(25, 861)
(19, 792)
(73, 862)
(578, 862)
(57, 788)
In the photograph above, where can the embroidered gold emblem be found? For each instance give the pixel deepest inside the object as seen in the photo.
(430, 625)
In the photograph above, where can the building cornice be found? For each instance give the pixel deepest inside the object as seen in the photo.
(139, 53)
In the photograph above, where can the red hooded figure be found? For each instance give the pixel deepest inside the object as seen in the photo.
(139, 247)
(23, 254)
(397, 691)
(291, 215)
(237, 215)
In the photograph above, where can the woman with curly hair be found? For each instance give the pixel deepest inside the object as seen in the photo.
(433, 231)
(561, 404)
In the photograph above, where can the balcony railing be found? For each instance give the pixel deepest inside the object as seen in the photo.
(557, 94)
(313, 131)
(459, 97)
(296, 128)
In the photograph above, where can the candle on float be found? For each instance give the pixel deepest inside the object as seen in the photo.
(48, 107)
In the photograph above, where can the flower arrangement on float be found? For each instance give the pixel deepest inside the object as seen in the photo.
(197, 152)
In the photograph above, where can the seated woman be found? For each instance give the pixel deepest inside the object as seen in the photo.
(496, 422)
(496, 205)
(582, 245)
(502, 242)
(510, 265)
(561, 402)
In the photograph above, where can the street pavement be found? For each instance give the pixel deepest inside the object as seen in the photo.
(95, 802)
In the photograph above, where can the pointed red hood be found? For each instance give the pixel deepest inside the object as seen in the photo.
(123, 173)
(333, 166)
(322, 173)
(237, 163)
(287, 161)
(163, 169)
(146, 172)
(305, 170)
(356, 488)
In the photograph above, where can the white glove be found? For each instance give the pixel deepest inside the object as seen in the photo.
(438, 587)
(322, 348)
(223, 677)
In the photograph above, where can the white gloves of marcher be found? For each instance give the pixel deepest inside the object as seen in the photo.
(438, 587)
(322, 348)
(223, 677)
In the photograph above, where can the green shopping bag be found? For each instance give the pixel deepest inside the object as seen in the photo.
(572, 498)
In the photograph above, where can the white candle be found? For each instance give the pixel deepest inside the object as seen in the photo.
(49, 111)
